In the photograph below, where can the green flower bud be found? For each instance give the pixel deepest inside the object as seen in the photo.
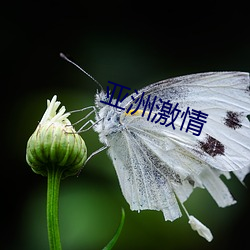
(55, 144)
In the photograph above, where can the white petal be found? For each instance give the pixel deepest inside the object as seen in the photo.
(51, 114)
(50, 110)
(200, 228)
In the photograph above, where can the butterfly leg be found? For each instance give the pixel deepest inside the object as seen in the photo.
(91, 155)
(81, 129)
(96, 152)
(86, 116)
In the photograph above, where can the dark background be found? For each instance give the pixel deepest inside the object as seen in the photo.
(133, 44)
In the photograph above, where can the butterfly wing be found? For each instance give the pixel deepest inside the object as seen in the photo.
(141, 182)
(155, 163)
(153, 169)
(225, 96)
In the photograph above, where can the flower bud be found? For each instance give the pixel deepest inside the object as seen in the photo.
(55, 144)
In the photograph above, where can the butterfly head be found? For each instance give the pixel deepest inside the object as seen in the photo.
(100, 98)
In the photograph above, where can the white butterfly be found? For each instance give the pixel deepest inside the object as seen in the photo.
(158, 167)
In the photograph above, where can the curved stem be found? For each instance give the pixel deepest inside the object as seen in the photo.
(117, 234)
(54, 177)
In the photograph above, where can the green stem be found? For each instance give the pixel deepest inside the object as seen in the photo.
(117, 234)
(54, 177)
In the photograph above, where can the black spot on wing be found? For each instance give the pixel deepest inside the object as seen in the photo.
(191, 181)
(212, 146)
(233, 119)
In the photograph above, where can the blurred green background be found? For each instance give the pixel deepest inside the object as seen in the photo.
(130, 43)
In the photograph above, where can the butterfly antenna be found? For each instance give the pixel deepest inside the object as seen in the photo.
(68, 60)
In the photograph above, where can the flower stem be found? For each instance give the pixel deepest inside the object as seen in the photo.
(54, 177)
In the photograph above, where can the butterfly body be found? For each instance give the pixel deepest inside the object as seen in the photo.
(157, 163)
(160, 156)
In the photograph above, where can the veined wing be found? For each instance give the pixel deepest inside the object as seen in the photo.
(141, 184)
(188, 89)
(225, 96)
(152, 169)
